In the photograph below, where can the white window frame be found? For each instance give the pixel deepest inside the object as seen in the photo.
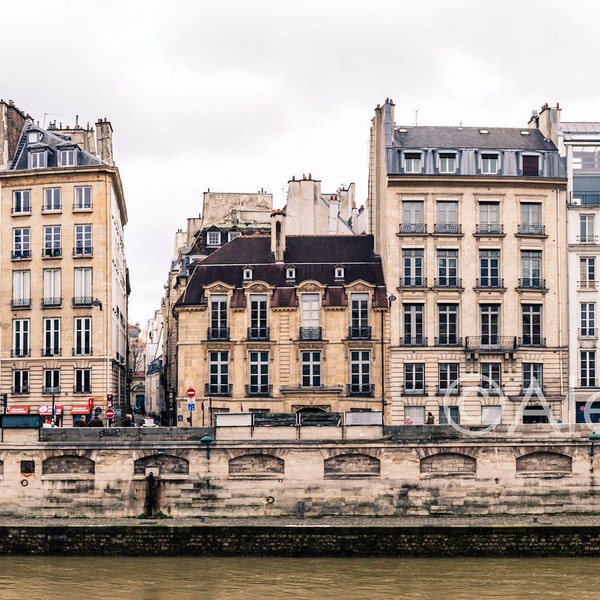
(67, 157)
(51, 381)
(21, 288)
(258, 376)
(587, 319)
(83, 381)
(52, 240)
(38, 159)
(587, 369)
(490, 163)
(82, 284)
(51, 330)
(52, 199)
(21, 337)
(83, 240)
(52, 286)
(83, 197)
(360, 372)
(213, 238)
(21, 202)
(20, 381)
(83, 336)
(311, 375)
(413, 162)
(447, 162)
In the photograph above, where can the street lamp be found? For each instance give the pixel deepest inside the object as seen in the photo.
(207, 440)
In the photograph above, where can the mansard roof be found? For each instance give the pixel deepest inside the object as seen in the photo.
(314, 258)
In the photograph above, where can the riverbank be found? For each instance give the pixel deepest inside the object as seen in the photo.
(496, 536)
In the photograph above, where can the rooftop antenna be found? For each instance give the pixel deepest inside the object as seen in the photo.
(417, 116)
(51, 115)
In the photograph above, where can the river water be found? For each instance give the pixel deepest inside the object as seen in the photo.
(86, 578)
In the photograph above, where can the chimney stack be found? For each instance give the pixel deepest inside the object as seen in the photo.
(104, 132)
(278, 234)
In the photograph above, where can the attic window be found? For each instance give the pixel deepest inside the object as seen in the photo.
(412, 162)
(33, 137)
(38, 159)
(247, 274)
(213, 238)
(68, 157)
(339, 272)
(290, 272)
(233, 234)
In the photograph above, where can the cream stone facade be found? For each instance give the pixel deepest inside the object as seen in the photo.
(63, 304)
(470, 227)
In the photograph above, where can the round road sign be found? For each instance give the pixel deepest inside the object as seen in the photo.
(191, 393)
(109, 413)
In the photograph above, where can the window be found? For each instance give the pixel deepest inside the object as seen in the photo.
(52, 287)
(449, 415)
(491, 381)
(587, 229)
(83, 381)
(219, 329)
(20, 381)
(414, 378)
(531, 317)
(259, 374)
(359, 317)
(489, 218)
(531, 269)
(20, 337)
(587, 272)
(532, 376)
(448, 325)
(218, 374)
(52, 199)
(21, 201)
(489, 315)
(21, 243)
(83, 336)
(587, 368)
(21, 296)
(412, 217)
(51, 337)
(491, 415)
(587, 319)
(360, 373)
(83, 240)
(82, 286)
(412, 273)
(258, 318)
(447, 217)
(489, 164)
(412, 327)
(213, 238)
(531, 219)
(412, 162)
(83, 197)
(311, 368)
(68, 157)
(447, 162)
(414, 415)
(38, 159)
(448, 378)
(247, 274)
(290, 273)
(339, 273)
(447, 272)
(51, 381)
(531, 165)
(489, 269)
(310, 329)
(231, 235)
(52, 248)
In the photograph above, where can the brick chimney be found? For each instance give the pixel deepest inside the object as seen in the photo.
(278, 234)
(104, 132)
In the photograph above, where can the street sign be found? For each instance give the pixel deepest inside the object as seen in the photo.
(191, 406)
(191, 393)
(109, 413)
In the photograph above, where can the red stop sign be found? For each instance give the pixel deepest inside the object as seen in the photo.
(109, 413)
(191, 393)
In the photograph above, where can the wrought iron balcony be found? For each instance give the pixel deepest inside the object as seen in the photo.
(218, 334)
(586, 284)
(264, 391)
(587, 239)
(413, 340)
(20, 303)
(359, 333)
(532, 341)
(447, 282)
(413, 228)
(311, 333)
(21, 254)
(360, 389)
(258, 333)
(448, 228)
(489, 229)
(414, 390)
(19, 352)
(532, 283)
(48, 302)
(448, 341)
(531, 229)
(452, 390)
(82, 389)
(217, 389)
(50, 352)
(413, 282)
(20, 389)
(588, 332)
(490, 283)
(51, 252)
(82, 351)
(491, 343)
(82, 251)
(82, 301)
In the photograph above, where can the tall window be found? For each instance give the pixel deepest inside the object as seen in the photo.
(531, 268)
(531, 315)
(259, 373)
(83, 381)
(412, 217)
(489, 316)
(258, 318)
(52, 287)
(587, 272)
(83, 336)
(52, 241)
(219, 329)
(532, 376)
(21, 296)
(448, 377)
(412, 162)
(52, 199)
(587, 319)
(412, 274)
(491, 381)
(218, 363)
(83, 286)
(447, 217)
(412, 325)
(359, 316)
(83, 197)
(21, 201)
(21, 242)
(310, 329)
(311, 368)
(489, 164)
(489, 268)
(83, 240)
(51, 337)
(447, 162)
(448, 325)
(447, 272)
(20, 381)
(20, 337)
(531, 219)
(587, 229)
(489, 218)
(51, 381)
(414, 378)
(587, 368)
(360, 372)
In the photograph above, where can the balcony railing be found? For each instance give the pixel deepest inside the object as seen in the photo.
(20, 303)
(586, 199)
(311, 333)
(414, 390)
(588, 332)
(19, 352)
(50, 352)
(448, 228)
(21, 254)
(82, 351)
(587, 239)
(532, 283)
(359, 333)
(413, 228)
(491, 343)
(532, 341)
(447, 282)
(453, 390)
(413, 340)
(82, 389)
(448, 341)
(218, 333)
(586, 284)
(490, 283)
(82, 251)
(360, 389)
(531, 229)
(217, 389)
(263, 391)
(413, 282)
(51, 252)
(22, 389)
(258, 333)
(489, 229)
(47, 302)
(82, 301)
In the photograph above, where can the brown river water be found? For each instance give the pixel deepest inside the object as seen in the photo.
(88, 578)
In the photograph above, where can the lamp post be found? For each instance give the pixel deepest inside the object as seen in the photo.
(207, 440)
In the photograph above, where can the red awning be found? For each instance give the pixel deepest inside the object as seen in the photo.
(81, 409)
(46, 411)
(17, 410)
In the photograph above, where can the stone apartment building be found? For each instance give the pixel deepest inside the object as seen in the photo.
(283, 324)
(470, 227)
(63, 304)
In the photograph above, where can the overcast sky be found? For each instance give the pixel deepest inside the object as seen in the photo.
(239, 95)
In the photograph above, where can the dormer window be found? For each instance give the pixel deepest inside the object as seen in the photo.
(447, 162)
(412, 162)
(233, 234)
(489, 164)
(68, 157)
(33, 137)
(290, 273)
(38, 159)
(247, 274)
(213, 238)
(339, 272)
(531, 165)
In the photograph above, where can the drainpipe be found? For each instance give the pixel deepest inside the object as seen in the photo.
(560, 303)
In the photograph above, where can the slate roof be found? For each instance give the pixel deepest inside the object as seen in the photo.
(314, 258)
(580, 130)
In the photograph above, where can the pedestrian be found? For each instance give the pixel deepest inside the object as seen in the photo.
(408, 421)
(430, 419)
(82, 422)
(96, 422)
